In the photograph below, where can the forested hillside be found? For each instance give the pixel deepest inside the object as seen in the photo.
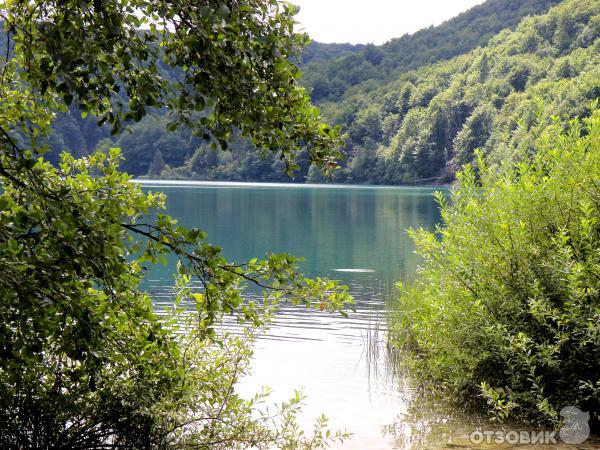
(474, 28)
(317, 52)
(424, 125)
(413, 110)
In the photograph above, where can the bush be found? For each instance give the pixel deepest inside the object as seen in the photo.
(505, 312)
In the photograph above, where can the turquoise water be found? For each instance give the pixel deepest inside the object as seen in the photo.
(354, 234)
(334, 228)
(357, 235)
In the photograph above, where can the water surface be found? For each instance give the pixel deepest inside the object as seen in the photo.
(354, 234)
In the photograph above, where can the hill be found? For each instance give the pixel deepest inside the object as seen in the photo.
(330, 80)
(422, 126)
(414, 111)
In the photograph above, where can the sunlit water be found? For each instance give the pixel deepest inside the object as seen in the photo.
(354, 234)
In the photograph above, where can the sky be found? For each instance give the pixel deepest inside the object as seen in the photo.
(373, 21)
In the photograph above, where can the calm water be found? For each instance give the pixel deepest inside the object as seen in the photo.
(354, 234)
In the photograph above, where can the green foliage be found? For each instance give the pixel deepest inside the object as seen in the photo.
(504, 312)
(157, 165)
(319, 52)
(108, 59)
(426, 124)
(473, 135)
(84, 355)
(331, 79)
(85, 359)
(144, 139)
(369, 90)
(421, 126)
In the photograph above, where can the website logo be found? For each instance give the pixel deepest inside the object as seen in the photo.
(576, 427)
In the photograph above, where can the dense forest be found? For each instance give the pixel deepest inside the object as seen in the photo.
(474, 28)
(424, 125)
(414, 109)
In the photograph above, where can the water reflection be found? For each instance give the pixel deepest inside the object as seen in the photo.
(427, 426)
(333, 228)
(354, 234)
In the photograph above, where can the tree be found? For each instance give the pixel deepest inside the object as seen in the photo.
(565, 29)
(429, 121)
(474, 134)
(85, 361)
(523, 60)
(234, 62)
(157, 165)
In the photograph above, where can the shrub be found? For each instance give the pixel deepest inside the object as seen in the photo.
(505, 312)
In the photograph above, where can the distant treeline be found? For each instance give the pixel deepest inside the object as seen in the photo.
(414, 109)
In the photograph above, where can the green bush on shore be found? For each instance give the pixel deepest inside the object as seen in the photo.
(505, 313)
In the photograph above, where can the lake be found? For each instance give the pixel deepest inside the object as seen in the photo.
(354, 234)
